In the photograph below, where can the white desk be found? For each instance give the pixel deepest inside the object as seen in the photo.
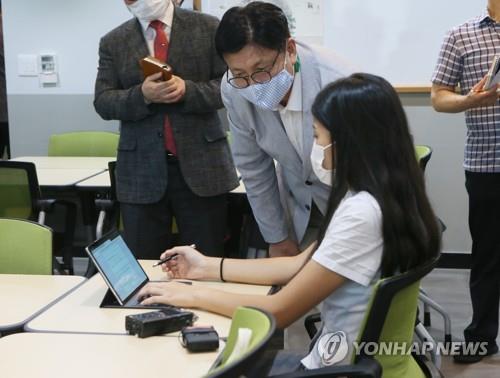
(101, 181)
(67, 162)
(79, 312)
(64, 177)
(62, 171)
(24, 296)
(98, 182)
(81, 356)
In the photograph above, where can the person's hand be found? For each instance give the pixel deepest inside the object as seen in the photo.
(169, 293)
(285, 248)
(168, 92)
(478, 97)
(189, 263)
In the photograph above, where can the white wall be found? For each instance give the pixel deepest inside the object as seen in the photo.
(397, 39)
(72, 29)
(69, 28)
(445, 179)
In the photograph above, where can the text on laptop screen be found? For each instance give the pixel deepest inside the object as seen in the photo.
(120, 266)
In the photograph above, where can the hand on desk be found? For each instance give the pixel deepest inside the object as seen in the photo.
(189, 263)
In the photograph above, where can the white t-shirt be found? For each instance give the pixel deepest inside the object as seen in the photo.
(352, 247)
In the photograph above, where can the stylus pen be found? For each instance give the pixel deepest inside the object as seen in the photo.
(170, 257)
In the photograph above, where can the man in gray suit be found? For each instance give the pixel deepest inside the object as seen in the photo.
(173, 156)
(268, 92)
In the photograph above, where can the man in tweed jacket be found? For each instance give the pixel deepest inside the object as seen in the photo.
(152, 183)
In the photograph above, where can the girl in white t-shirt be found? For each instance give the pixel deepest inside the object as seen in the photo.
(378, 222)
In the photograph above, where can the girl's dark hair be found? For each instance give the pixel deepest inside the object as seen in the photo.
(374, 152)
(258, 22)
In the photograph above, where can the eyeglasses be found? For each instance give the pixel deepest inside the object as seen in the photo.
(259, 77)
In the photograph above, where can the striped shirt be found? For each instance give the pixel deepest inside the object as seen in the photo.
(465, 58)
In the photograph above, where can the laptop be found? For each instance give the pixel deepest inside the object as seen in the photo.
(121, 271)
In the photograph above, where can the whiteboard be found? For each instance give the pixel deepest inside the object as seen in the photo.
(397, 39)
(305, 18)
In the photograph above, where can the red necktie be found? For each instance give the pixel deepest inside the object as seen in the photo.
(161, 52)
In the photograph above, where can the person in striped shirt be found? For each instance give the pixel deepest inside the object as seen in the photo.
(465, 58)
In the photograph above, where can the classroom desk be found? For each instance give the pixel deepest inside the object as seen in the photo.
(68, 162)
(61, 172)
(101, 182)
(79, 312)
(81, 356)
(60, 178)
(25, 296)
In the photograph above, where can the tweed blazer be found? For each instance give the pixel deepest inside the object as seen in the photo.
(202, 148)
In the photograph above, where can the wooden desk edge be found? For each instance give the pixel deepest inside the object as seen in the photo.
(405, 89)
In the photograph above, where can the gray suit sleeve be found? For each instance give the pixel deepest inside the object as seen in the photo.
(259, 176)
(110, 100)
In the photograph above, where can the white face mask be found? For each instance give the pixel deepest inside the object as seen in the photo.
(317, 156)
(269, 95)
(149, 10)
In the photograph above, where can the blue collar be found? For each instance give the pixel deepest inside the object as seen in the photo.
(485, 19)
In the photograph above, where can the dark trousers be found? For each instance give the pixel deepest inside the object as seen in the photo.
(484, 284)
(200, 220)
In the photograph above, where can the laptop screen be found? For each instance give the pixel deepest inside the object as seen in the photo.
(119, 266)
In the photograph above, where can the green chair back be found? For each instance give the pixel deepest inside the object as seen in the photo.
(18, 190)
(26, 247)
(423, 154)
(262, 326)
(390, 318)
(84, 143)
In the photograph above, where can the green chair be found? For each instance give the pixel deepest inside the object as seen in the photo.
(84, 143)
(26, 247)
(423, 154)
(248, 362)
(20, 197)
(390, 317)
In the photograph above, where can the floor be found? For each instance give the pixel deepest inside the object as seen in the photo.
(449, 287)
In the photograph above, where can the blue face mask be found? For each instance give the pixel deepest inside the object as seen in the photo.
(269, 95)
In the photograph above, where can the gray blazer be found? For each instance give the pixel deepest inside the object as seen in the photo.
(281, 194)
(202, 148)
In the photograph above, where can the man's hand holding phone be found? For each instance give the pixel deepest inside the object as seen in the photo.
(168, 92)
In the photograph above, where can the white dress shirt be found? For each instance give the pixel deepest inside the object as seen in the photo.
(291, 115)
(150, 33)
